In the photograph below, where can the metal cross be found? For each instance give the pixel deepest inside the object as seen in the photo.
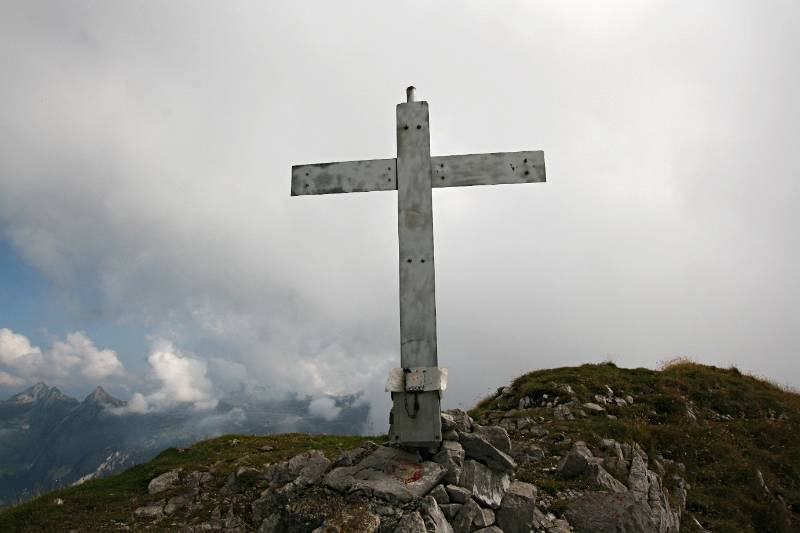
(416, 387)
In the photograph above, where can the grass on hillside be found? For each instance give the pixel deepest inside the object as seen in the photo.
(722, 456)
(100, 504)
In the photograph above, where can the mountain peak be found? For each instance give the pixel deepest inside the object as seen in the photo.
(33, 394)
(100, 397)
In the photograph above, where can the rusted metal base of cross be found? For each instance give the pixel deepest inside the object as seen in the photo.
(415, 419)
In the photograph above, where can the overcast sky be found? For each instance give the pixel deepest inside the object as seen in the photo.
(149, 242)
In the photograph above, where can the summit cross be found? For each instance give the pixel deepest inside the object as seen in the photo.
(416, 386)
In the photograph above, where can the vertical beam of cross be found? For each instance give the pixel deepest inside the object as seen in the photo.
(415, 415)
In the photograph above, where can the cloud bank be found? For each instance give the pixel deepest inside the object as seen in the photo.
(75, 360)
(182, 380)
(146, 151)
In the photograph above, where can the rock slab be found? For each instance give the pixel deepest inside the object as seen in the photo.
(487, 486)
(388, 473)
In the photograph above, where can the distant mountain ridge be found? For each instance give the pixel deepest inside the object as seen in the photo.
(50, 440)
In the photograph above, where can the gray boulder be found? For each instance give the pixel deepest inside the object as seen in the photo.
(637, 478)
(411, 523)
(593, 407)
(440, 494)
(166, 481)
(476, 447)
(575, 463)
(155, 510)
(562, 412)
(604, 512)
(516, 513)
(458, 494)
(599, 476)
(463, 521)
(487, 486)
(451, 456)
(434, 518)
(494, 435)
(456, 420)
(484, 519)
(271, 524)
(450, 510)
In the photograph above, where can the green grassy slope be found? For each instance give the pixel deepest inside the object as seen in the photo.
(738, 426)
(104, 504)
(742, 425)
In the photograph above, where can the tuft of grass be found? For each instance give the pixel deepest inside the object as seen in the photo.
(744, 425)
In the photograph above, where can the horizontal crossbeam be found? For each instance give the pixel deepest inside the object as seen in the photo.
(446, 171)
(347, 176)
(487, 169)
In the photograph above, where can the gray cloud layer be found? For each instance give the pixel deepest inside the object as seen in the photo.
(145, 153)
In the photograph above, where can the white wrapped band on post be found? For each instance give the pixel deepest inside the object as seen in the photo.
(417, 379)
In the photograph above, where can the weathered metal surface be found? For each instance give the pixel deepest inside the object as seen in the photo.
(415, 419)
(420, 423)
(426, 378)
(487, 169)
(346, 176)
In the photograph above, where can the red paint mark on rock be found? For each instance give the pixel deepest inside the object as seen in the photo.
(408, 471)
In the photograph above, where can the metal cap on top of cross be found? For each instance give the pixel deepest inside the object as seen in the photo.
(416, 386)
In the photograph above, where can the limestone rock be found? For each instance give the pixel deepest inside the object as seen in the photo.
(637, 479)
(450, 510)
(516, 513)
(526, 452)
(271, 524)
(593, 407)
(601, 477)
(575, 463)
(490, 529)
(312, 466)
(603, 512)
(353, 517)
(477, 447)
(388, 473)
(350, 457)
(450, 435)
(165, 481)
(484, 519)
(488, 486)
(440, 494)
(177, 502)
(411, 523)
(562, 412)
(451, 456)
(150, 511)
(456, 420)
(434, 518)
(458, 494)
(494, 435)
(463, 521)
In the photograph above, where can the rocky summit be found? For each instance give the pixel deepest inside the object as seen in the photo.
(588, 449)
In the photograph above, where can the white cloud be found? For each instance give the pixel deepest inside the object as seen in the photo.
(17, 352)
(181, 380)
(79, 351)
(324, 408)
(73, 360)
(8, 380)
